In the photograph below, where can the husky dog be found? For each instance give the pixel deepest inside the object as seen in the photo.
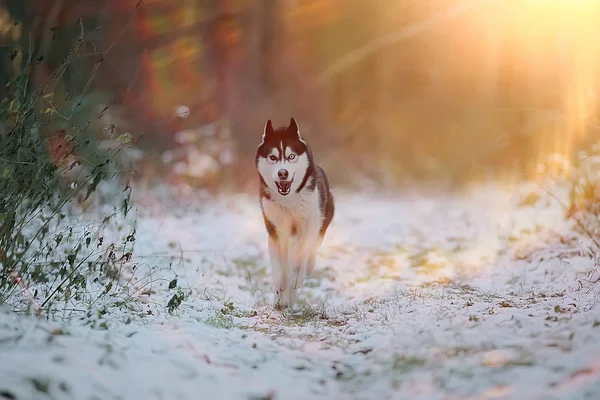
(297, 207)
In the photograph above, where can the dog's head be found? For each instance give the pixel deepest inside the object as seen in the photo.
(282, 158)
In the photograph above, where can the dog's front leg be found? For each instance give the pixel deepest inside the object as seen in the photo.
(310, 263)
(298, 262)
(279, 273)
(312, 255)
(298, 265)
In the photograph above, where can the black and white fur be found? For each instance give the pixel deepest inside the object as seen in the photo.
(297, 207)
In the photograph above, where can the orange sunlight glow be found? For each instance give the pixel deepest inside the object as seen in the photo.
(489, 68)
(550, 48)
(558, 41)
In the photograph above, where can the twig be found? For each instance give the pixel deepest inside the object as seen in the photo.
(56, 111)
(115, 41)
(17, 162)
(66, 279)
(29, 64)
(102, 56)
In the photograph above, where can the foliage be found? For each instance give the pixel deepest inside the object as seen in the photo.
(51, 169)
(584, 194)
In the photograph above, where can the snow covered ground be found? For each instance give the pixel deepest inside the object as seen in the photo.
(415, 297)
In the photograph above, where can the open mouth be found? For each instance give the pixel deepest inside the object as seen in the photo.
(284, 187)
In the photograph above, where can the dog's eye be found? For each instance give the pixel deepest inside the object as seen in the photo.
(292, 156)
(272, 158)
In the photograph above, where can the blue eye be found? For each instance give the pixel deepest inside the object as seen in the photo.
(292, 156)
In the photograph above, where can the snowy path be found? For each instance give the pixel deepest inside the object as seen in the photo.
(418, 298)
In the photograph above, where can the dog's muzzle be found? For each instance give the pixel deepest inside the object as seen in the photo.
(284, 187)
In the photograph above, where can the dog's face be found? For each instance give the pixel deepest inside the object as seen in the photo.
(282, 158)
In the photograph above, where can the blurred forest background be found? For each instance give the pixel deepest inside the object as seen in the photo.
(387, 92)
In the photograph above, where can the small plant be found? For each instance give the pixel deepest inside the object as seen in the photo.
(220, 320)
(584, 194)
(176, 300)
(228, 308)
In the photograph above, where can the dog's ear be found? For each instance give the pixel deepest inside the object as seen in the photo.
(293, 127)
(268, 129)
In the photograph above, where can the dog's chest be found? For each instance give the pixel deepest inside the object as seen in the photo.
(302, 214)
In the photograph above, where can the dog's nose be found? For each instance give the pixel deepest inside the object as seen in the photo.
(283, 174)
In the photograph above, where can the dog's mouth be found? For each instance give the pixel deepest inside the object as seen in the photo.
(284, 187)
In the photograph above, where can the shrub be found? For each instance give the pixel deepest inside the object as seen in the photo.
(50, 169)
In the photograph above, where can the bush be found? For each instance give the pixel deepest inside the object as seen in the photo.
(51, 168)
(584, 194)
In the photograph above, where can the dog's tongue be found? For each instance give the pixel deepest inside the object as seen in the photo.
(284, 185)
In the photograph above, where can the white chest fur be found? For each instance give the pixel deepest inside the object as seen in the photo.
(298, 212)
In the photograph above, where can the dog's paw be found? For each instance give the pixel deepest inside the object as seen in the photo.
(292, 297)
(280, 300)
